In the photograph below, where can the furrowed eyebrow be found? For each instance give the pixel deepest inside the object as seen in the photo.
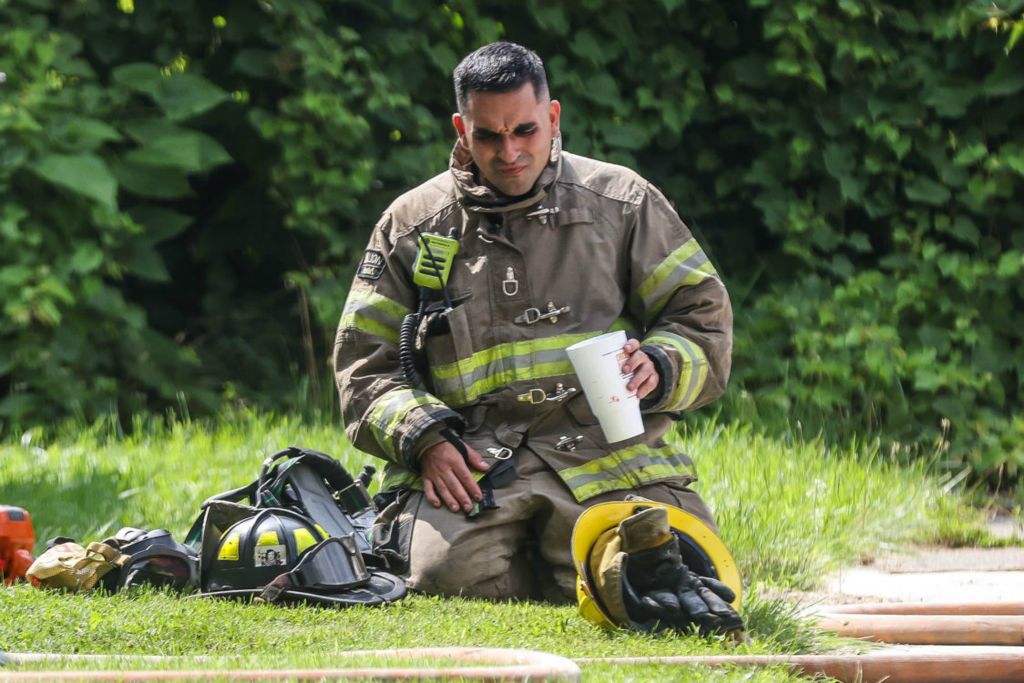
(521, 129)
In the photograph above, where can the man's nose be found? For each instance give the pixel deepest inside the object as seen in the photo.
(509, 150)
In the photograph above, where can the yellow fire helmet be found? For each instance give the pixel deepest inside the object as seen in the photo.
(703, 551)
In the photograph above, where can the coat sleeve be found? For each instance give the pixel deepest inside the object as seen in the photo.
(683, 307)
(383, 414)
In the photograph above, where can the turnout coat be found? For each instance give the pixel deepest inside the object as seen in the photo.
(594, 248)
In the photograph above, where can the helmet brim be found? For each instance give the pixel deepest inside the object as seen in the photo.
(599, 518)
(380, 588)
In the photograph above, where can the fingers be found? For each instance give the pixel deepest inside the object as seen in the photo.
(476, 461)
(647, 385)
(645, 376)
(464, 487)
(428, 491)
(447, 480)
(444, 489)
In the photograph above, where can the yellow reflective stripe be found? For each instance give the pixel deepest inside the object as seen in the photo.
(370, 326)
(625, 468)
(490, 355)
(469, 378)
(601, 464)
(623, 324)
(373, 313)
(396, 478)
(378, 301)
(651, 473)
(389, 412)
(491, 382)
(687, 265)
(665, 268)
(692, 277)
(693, 369)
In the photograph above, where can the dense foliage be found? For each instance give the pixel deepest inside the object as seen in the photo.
(185, 186)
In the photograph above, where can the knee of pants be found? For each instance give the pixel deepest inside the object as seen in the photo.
(479, 563)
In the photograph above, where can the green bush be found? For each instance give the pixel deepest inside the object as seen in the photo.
(184, 189)
(83, 147)
(892, 181)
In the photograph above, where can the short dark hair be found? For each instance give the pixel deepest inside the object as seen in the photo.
(499, 67)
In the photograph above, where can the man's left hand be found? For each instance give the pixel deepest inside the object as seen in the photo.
(645, 375)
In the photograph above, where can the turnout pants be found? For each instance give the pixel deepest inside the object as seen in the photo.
(522, 548)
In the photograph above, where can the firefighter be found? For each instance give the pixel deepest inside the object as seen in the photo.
(457, 376)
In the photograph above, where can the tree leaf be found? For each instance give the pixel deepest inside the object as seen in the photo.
(950, 100)
(159, 223)
(1006, 80)
(84, 174)
(146, 263)
(1015, 35)
(152, 181)
(1010, 264)
(88, 134)
(629, 135)
(586, 45)
(602, 88)
(180, 95)
(188, 150)
(550, 16)
(87, 258)
(922, 189)
(183, 96)
(840, 165)
(142, 77)
(255, 63)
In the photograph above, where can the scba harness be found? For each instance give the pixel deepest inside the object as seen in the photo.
(299, 532)
(313, 484)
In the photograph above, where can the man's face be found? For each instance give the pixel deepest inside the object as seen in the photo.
(509, 136)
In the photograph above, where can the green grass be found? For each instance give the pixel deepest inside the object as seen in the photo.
(789, 510)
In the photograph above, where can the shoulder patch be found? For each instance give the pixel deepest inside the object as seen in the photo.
(372, 265)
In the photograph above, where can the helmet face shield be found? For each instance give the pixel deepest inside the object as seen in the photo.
(333, 564)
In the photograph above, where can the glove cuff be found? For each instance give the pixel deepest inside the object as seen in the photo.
(645, 530)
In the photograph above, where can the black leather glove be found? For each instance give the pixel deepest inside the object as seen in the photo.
(661, 592)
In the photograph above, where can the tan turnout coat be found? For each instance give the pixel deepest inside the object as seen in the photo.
(597, 245)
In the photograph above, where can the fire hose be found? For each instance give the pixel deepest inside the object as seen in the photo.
(966, 643)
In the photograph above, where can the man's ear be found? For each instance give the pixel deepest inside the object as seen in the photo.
(460, 127)
(555, 112)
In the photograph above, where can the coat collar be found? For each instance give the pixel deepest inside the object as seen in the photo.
(480, 198)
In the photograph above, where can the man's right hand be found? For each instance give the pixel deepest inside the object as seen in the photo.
(447, 479)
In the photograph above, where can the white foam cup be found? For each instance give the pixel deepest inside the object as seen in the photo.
(598, 363)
